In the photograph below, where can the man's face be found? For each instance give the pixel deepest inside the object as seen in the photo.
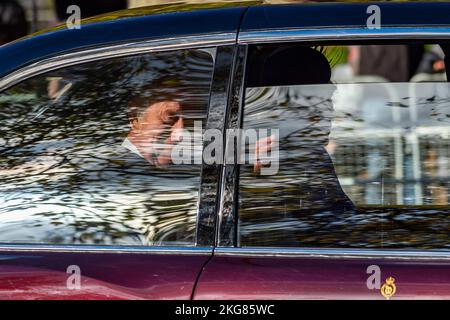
(156, 131)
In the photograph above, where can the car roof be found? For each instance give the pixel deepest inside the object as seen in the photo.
(337, 14)
(181, 19)
(130, 25)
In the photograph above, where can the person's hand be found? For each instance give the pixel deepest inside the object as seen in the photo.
(156, 131)
(262, 148)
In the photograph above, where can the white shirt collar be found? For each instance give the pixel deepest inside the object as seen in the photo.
(128, 145)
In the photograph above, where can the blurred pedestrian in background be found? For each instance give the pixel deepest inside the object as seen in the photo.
(395, 63)
(13, 23)
(88, 8)
(432, 61)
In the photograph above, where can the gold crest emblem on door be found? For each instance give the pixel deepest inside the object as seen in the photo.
(389, 288)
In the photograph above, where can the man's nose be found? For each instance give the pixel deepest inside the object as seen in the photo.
(177, 131)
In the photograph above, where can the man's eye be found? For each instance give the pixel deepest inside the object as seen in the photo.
(171, 119)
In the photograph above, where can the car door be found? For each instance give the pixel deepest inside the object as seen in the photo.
(357, 204)
(91, 206)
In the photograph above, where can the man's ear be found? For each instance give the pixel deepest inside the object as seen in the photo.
(133, 116)
(135, 125)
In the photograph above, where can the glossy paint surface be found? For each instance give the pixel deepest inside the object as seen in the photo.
(17, 54)
(140, 25)
(103, 275)
(308, 278)
(339, 15)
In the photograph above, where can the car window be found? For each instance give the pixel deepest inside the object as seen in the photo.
(363, 146)
(86, 151)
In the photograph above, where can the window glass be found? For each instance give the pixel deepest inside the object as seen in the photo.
(86, 151)
(363, 148)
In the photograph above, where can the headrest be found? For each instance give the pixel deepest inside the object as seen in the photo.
(286, 66)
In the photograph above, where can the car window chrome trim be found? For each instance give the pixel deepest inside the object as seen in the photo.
(333, 253)
(175, 250)
(115, 51)
(350, 33)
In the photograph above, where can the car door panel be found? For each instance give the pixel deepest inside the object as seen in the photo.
(144, 275)
(241, 277)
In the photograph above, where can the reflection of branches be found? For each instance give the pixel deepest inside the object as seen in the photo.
(88, 176)
(23, 144)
